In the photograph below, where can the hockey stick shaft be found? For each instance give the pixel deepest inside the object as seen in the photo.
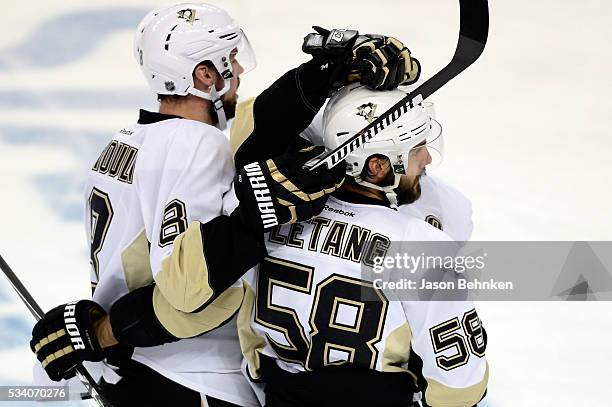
(473, 33)
(90, 384)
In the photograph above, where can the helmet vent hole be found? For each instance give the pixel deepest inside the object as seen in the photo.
(167, 39)
(211, 31)
(229, 36)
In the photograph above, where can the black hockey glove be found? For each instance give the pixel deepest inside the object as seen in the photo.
(384, 63)
(65, 337)
(377, 61)
(280, 191)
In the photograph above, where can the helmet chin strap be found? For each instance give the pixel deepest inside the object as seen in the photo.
(215, 97)
(389, 190)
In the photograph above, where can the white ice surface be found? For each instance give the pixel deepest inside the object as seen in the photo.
(527, 139)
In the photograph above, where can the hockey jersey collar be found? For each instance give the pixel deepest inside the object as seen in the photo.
(352, 197)
(147, 117)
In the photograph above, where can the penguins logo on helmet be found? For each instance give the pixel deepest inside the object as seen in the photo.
(187, 14)
(367, 111)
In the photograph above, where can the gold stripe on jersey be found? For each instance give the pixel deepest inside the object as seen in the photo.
(187, 325)
(397, 349)
(250, 342)
(243, 124)
(136, 263)
(183, 278)
(437, 394)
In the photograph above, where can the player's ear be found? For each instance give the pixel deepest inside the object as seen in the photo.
(376, 169)
(204, 77)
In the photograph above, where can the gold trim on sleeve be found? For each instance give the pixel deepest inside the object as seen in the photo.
(439, 395)
(187, 325)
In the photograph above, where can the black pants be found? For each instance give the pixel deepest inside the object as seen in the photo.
(336, 386)
(142, 386)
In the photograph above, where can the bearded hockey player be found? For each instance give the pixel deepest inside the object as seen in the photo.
(438, 203)
(305, 329)
(173, 169)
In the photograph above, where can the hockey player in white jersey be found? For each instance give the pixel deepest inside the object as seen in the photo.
(305, 329)
(173, 167)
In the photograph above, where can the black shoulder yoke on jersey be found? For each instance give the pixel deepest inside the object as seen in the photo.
(147, 117)
(352, 197)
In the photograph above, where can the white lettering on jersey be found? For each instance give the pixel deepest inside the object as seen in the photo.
(262, 195)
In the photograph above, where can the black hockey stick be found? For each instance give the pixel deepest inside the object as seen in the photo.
(90, 384)
(473, 33)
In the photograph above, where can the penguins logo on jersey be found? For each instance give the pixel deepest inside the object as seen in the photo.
(368, 111)
(187, 14)
(433, 221)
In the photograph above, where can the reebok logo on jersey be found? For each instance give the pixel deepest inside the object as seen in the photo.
(71, 327)
(339, 211)
(262, 195)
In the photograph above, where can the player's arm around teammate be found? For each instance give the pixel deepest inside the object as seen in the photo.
(191, 169)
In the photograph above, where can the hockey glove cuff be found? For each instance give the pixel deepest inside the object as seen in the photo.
(66, 336)
(280, 191)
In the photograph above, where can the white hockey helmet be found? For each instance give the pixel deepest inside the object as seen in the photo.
(355, 106)
(171, 41)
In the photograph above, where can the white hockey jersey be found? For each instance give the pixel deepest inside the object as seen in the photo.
(304, 306)
(150, 182)
(444, 207)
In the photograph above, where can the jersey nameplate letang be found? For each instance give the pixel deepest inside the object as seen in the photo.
(335, 238)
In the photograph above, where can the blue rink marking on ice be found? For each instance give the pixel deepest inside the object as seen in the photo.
(61, 40)
(84, 144)
(62, 191)
(69, 37)
(14, 331)
(81, 99)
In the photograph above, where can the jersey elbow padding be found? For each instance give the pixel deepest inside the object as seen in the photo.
(189, 324)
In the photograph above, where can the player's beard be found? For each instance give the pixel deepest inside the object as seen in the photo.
(408, 192)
